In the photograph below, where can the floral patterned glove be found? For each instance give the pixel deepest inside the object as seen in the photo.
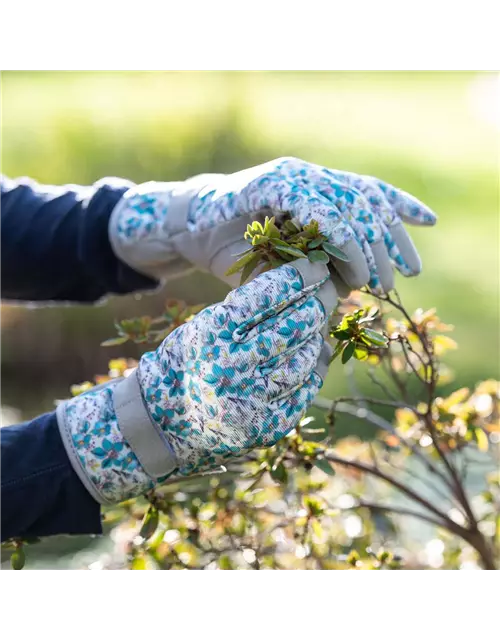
(239, 375)
(160, 228)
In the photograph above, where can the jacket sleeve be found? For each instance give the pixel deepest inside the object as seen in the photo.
(55, 245)
(41, 493)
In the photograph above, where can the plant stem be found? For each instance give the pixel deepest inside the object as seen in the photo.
(380, 384)
(380, 401)
(360, 466)
(399, 511)
(410, 363)
(378, 421)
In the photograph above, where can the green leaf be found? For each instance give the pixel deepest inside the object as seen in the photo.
(258, 240)
(275, 262)
(159, 336)
(481, 439)
(317, 528)
(278, 243)
(296, 253)
(140, 325)
(250, 266)
(18, 559)
(112, 342)
(270, 229)
(342, 334)
(138, 563)
(346, 322)
(318, 256)
(149, 523)
(319, 430)
(314, 244)
(291, 227)
(360, 352)
(257, 227)
(314, 505)
(312, 228)
(161, 319)
(348, 352)
(325, 466)
(335, 252)
(337, 351)
(374, 337)
(384, 556)
(239, 264)
(243, 253)
(371, 315)
(225, 563)
(279, 473)
(309, 447)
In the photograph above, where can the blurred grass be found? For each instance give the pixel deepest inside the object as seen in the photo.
(431, 133)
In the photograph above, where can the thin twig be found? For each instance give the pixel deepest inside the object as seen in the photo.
(393, 375)
(351, 378)
(360, 466)
(399, 306)
(415, 353)
(456, 484)
(450, 498)
(380, 422)
(379, 401)
(397, 510)
(373, 377)
(431, 385)
(373, 455)
(410, 363)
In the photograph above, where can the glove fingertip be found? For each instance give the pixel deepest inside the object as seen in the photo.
(312, 273)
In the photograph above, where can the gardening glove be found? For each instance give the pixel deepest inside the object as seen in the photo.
(239, 375)
(160, 229)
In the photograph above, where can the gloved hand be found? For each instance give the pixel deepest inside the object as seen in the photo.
(238, 375)
(160, 228)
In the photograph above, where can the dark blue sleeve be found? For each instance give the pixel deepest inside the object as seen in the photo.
(41, 493)
(55, 243)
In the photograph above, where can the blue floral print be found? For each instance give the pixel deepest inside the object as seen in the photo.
(174, 382)
(109, 452)
(225, 402)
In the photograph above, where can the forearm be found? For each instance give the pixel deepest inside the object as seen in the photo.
(55, 243)
(41, 493)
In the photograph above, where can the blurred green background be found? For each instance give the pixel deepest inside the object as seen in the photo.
(432, 134)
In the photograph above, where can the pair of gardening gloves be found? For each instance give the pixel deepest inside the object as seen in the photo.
(241, 373)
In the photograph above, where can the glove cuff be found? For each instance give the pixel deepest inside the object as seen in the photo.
(100, 454)
(151, 231)
(142, 224)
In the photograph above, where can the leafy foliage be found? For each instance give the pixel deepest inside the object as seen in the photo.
(272, 246)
